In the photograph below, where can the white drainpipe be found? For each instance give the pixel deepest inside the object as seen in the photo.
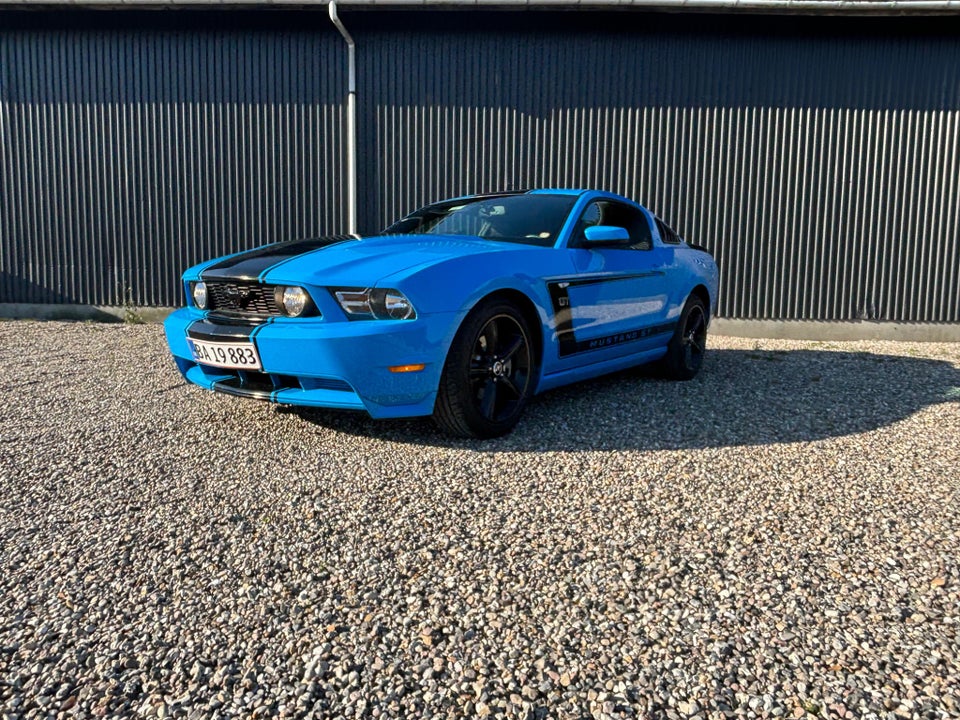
(351, 121)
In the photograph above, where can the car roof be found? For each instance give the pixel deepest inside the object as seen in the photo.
(526, 191)
(568, 192)
(557, 191)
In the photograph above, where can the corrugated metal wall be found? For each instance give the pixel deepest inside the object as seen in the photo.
(127, 156)
(818, 158)
(821, 166)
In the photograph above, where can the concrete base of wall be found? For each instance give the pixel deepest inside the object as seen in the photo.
(767, 329)
(96, 313)
(854, 330)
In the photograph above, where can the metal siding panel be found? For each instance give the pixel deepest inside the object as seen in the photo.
(129, 154)
(821, 167)
(816, 167)
(7, 245)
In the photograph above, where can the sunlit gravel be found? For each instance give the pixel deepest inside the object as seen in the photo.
(777, 538)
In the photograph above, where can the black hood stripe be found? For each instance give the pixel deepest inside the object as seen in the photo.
(252, 264)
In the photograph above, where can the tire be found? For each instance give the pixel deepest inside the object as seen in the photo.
(488, 375)
(688, 345)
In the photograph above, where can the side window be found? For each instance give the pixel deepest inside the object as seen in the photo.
(609, 212)
(667, 233)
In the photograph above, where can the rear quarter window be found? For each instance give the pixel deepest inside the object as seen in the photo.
(667, 234)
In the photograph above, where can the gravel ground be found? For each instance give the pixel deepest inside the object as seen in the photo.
(777, 538)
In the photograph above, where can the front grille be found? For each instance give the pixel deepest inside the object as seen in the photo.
(244, 298)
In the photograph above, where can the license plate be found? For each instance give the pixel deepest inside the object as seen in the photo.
(239, 356)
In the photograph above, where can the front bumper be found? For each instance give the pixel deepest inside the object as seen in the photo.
(316, 363)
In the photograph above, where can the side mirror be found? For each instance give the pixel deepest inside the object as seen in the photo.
(606, 235)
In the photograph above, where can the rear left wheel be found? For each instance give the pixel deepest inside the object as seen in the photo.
(488, 375)
(688, 345)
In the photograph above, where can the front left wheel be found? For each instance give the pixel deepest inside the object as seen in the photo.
(489, 373)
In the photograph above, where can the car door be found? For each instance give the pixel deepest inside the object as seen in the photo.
(616, 303)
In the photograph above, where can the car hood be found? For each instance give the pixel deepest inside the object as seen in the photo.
(347, 261)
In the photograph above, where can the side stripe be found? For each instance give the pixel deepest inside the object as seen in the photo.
(563, 314)
(623, 337)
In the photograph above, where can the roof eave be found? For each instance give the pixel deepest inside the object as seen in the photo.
(812, 7)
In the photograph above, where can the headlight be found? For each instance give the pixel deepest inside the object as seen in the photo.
(375, 303)
(293, 300)
(200, 295)
(396, 306)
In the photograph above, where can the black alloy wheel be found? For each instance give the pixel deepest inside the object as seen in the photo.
(688, 345)
(488, 375)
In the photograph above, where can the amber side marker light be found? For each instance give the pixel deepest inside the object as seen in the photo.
(407, 368)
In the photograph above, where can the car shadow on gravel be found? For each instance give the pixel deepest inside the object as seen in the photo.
(741, 397)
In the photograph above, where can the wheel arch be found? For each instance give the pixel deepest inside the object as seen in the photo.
(701, 292)
(530, 313)
(456, 412)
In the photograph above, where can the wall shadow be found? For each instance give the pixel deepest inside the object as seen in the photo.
(15, 288)
(742, 397)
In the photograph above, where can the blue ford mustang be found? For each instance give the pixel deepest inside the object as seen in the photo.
(463, 310)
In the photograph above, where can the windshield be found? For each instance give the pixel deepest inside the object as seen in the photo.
(528, 219)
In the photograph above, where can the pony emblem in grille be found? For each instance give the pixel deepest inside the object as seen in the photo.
(239, 296)
(243, 298)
